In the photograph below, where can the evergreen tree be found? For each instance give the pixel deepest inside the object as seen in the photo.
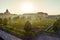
(27, 28)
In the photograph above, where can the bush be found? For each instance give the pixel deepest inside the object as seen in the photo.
(56, 25)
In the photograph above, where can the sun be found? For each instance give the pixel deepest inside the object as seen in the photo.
(27, 7)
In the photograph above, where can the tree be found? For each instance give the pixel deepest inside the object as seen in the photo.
(0, 20)
(27, 28)
(56, 25)
(5, 21)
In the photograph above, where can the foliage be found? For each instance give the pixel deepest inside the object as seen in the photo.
(19, 27)
(0, 20)
(27, 26)
(56, 25)
(5, 21)
(43, 23)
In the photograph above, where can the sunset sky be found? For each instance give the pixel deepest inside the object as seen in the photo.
(52, 7)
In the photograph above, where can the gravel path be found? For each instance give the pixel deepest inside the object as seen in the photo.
(7, 36)
(47, 36)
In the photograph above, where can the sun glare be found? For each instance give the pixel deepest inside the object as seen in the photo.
(27, 7)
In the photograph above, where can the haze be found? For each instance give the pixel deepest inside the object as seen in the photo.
(52, 7)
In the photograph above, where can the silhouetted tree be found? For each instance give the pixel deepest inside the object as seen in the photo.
(27, 29)
(5, 21)
(27, 26)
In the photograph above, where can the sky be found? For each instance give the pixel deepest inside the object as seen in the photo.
(52, 7)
